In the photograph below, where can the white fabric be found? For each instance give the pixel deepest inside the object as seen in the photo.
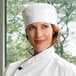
(46, 63)
(39, 12)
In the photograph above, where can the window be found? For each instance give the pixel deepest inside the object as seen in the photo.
(17, 45)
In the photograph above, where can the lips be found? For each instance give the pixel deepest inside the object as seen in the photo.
(39, 41)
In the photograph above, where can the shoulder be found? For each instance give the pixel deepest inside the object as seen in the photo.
(66, 66)
(12, 67)
(14, 64)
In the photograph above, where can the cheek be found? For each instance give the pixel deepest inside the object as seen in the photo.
(30, 37)
(49, 36)
(49, 33)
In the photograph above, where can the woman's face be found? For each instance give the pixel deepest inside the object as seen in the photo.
(40, 35)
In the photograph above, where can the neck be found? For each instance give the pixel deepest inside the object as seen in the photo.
(35, 52)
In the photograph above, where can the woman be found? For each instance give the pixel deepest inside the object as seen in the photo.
(43, 33)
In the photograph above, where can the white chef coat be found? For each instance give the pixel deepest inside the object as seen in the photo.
(46, 63)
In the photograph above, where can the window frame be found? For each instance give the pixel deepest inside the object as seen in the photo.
(2, 36)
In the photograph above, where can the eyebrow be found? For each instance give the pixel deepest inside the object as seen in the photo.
(31, 25)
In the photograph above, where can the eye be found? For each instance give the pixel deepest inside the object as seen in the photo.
(31, 27)
(45, 26)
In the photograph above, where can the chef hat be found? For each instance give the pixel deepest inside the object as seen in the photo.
(39, 12)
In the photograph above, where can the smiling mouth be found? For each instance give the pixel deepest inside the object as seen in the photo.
(39, 41)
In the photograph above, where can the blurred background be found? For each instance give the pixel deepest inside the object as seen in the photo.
(17, 46)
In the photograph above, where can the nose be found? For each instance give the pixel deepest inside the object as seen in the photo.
(38, 33)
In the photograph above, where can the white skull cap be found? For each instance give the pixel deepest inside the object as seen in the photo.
(39, 12)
